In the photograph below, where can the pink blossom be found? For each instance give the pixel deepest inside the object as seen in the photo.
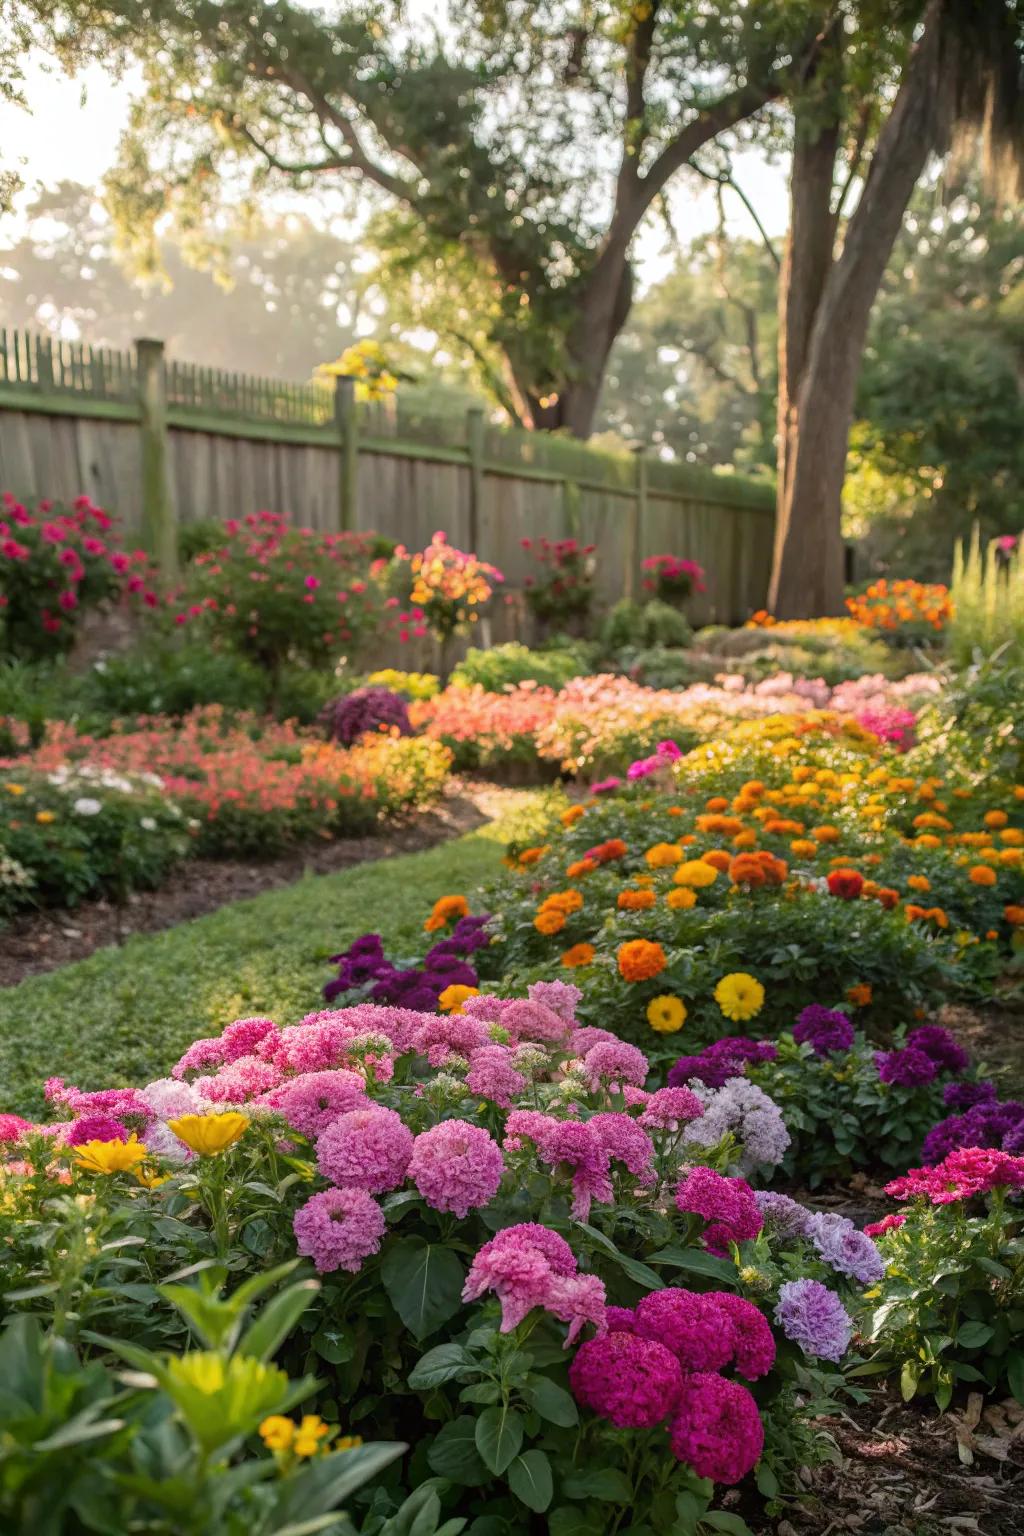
(670, 1108)
(339, 1228)
(612, 1064)
(365, 1149)
(632, 1382)
(456, 1166)
(716, 1428)
(312, 1100)
(492, 1075)
(626, 1142)
(576, 1148)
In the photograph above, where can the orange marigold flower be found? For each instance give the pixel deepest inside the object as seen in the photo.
(803, 847)
(563, 901)
(572, 815)
(746, 870)
(825, 834)
(1011, 857)
(1014, 915)
(995, 818)
(579, 954)
(982, 874)
(718, 859)
(859, 995)
(580, 867)
(445, 909)
(717, 803)
(752, 787)
(531, 856)
(639, 960)
(606, 852)
(681, 898)
(919, 883)
(1018, 791)
(847, 884)
(746, 839)
(927, 840)
(549, 921)
(725, 825)
(636, 901)
(663, 855)
(1013, 837)
(784, 827)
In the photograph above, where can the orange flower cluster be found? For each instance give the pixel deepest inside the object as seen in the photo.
(892, 605)
(639, 960)
(446, 909)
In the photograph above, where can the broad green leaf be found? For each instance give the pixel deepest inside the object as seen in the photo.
(529, 1478)
(697, 1262)
(641, 1273)
(605, 1483)
(499, 1435)
(439, 1365)
(974, 1335)
(264, 1337)
(910, 1375)
(1015, 1374)
(551, 1401)
(424, 1283)
(454, 1454)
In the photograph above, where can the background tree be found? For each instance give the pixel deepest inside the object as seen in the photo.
(890, 86)
(531, 139)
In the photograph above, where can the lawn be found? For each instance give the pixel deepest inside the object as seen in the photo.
(124, 1015)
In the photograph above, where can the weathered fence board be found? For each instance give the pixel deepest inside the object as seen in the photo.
(72, 420)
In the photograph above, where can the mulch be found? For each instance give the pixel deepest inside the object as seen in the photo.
(45, 941)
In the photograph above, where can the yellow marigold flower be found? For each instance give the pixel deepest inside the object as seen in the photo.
(739, 996)
(681, 899)
(45, 817)
(579, 954)
(803, 847)
(666, 1014)
(663, 855)
(697, 873)
(995, 818)
(982, 874)
(1013, 837)
(208, 1134)
(111, 1156)
(277, 1432)
(746, 839)
(310, 1435)
(1011, 857)
(453, 997)
(15, 789)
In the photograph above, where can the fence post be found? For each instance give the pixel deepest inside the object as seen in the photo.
(475, 447)
(159, 524)
(571, 499)
(637, 517)
(347, 423)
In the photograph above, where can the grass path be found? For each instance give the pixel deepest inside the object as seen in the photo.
(125, 1015)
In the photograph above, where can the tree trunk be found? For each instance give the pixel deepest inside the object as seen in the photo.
(825, 307)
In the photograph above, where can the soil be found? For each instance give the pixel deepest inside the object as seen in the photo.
(44, 941)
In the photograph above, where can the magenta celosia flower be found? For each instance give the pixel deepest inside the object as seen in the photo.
(312, 1100)
(442, 1036)
(716, 1428)
(689, 1324)
(492, 1075)
(620, 1319)
(338, 1229)
(246, 1078)
(201, 1055)
(727, 1204)
(13, 1127)
(888, 1223)
(96, 1128)
(670, 1108)
(560, 996)
(753, 1344)
(314, 1047)
(609, 1064)
(124, 1103)
(243, 1036)
(365, 1149)
(572, 1147)
(632, 1382)
(456, 1166)
(966, 1172)
(626, 1142)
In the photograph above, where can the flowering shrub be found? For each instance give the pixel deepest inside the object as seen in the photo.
(365, 710)
(254, 786)
(905, 611)
(564, 585)
(672, 579)
(55, 564)
(275, 592)
(493, 1203)
(413, 685)
(952, 1308)
(449, 587)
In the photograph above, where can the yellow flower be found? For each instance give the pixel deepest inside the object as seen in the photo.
(111, 1156)
(207, 1134)
(277, 1432)
(453, 997)
(348, 1442)
(666, 1014)
(662, 855)
(15, 789)
(695, 872)
(309, 1434)
(681, 899)
(45, 817)
(739, 996)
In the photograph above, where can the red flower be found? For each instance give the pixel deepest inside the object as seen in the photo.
(846, 884)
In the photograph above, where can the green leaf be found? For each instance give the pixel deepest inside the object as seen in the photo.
(605, 1483)
(264, 1337)
(439, 1365)
(454, 1454)
(722, 1520)
(1015, 1374)
(424, 1283)
(641, 1273)
(910, 1375)
(499, 1435)
(566, 1520)
(334, 1343)
(974, 1335)
(529, 1478)
(697, 1262)
(551, 1401)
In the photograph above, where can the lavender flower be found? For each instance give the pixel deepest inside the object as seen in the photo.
(741, 1108)
(814, 1317)
(846, 1249)
(824, 1029)
(781, 1214)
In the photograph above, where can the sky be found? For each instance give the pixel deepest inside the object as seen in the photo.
(72, 128)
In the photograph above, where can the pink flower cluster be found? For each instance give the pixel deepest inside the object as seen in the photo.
(728, 1205)
(530, 1266)
(962, 1174)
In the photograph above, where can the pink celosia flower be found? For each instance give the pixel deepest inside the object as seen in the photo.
(528, 1124)
(689, 1324)
(312, 1100)
(670, 1108)
(632, 1382)
(200, 1055)
(13, 1127)
(620, 1319)
(456, 1166)
(577, 1301)
(243, 1036)
(314, 1047)
(728, 1204)
(365, 1149)
(125, 1103)
(753, 1343)
(339, 1228)
(560, 996)
(589, 1035)
(626, 1142)
(442, 1036)
(245, 1078)
(492, 1075)
(609, 1064)
(963, 1173)
(530, 1266)
(887, 1224)
(576, 1148)
(527, 1018)
(168, 1098)
(716, 1428)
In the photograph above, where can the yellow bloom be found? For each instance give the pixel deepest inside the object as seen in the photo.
(277, 1432)
(111, 1156)
(739, 996)
(207, 1134)
(45, 817)
(15, 789)
(662, 855)
(681, 899)
(309, 1435)
(666, 1014)
(453, 997)
(695, 872)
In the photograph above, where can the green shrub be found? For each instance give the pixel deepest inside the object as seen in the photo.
(169, 679)
(506, 665)
(643, 625)
(988, 601)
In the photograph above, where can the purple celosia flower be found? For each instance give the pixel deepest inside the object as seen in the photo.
(961, 1096)
(716, 1428)
(908, 1068)
(312, 1100)
(940, 1047)
(742, 1109)
(825, 1030)
(846, 1249)
(338, 1229)
(728, 1205)
(985, 1125)
(364, 710)
(456, 1166)
(365, 1149)
(814, 1317)
(718, 1062)
(631, 1382)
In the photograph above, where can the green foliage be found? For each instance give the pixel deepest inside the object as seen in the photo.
(168, 679)
(644, 625)
(504, 666)
(976, 726)
(988, 603)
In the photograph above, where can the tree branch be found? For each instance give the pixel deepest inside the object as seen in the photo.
(726, 113)
(290, 168)
(725, 179)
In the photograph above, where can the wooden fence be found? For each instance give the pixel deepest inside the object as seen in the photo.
(163, 443)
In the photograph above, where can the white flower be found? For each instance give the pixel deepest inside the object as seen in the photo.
(148, 824)
(87, 807)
